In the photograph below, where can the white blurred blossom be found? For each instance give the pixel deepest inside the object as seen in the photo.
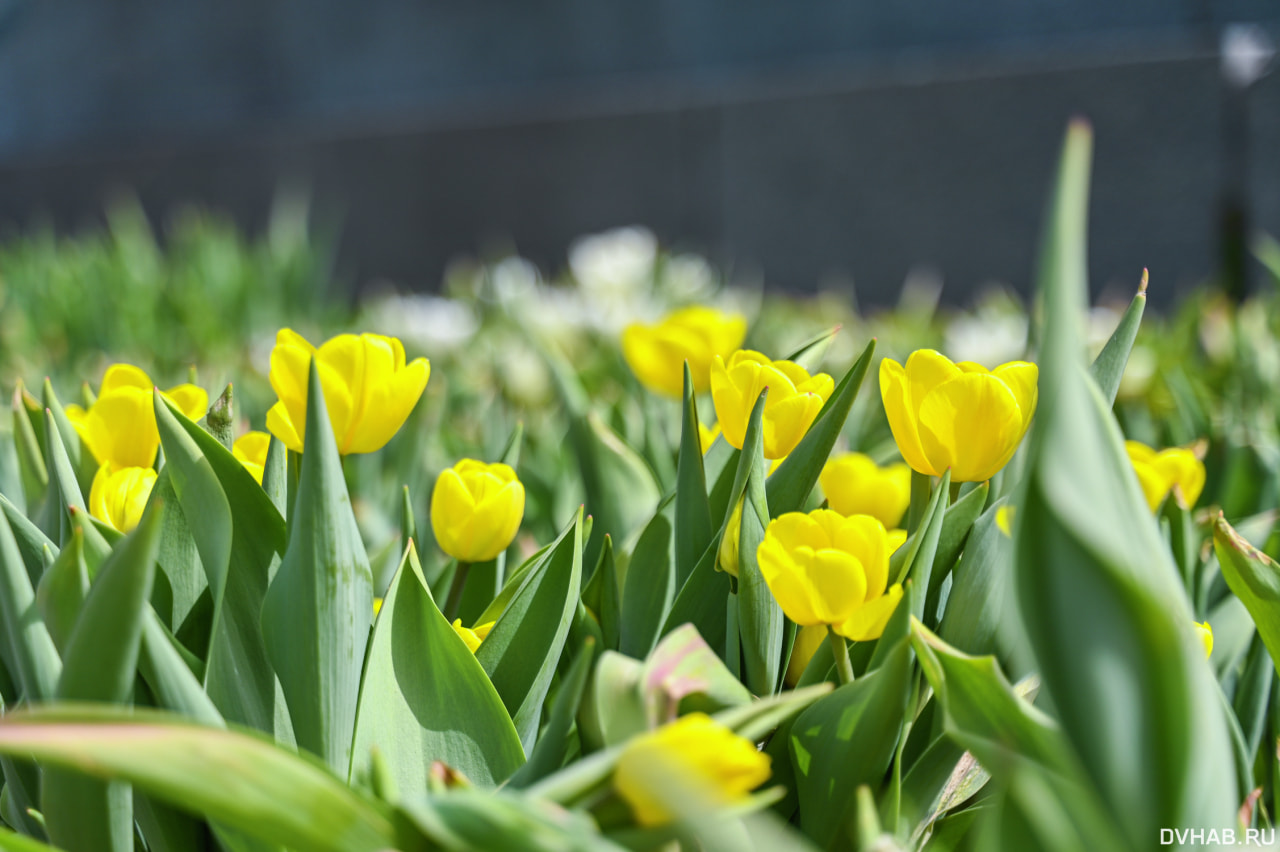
(988, 338)
(617, 261)
(426, 323)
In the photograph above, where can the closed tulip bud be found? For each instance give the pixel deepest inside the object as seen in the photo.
(120, 427)
(1177, 470)
(958, 416)
(824, 568)
(855, 485)
(808, 641)
(794, 399)
(1205, 632)
(657, 353)
(119, 495)
(473, 636)
(700, 751)
(251, 449)
(476, 509)
(369, 390)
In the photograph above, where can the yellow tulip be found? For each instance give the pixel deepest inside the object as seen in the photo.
(657, 353)
(251, 449)
(120, 427)
(473, 636)
(476, 509)
(711, 758)
(855, 485)
(959, 416)
(119, 495)
(369, 390)
(808, 641)
(1205, 633)
(1004, 519)
(794, 400)
(1177, 470)
(824, 568)
(707, 437)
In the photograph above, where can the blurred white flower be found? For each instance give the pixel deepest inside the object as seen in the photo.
(1138, 372)
(988, 338)
(617, 261)
(687, 278)
(426, 323)
(514, 280)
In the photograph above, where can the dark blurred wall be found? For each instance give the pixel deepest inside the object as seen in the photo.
(810, 140)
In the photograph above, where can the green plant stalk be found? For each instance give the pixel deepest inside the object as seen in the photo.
(841, 650)
(455, 590)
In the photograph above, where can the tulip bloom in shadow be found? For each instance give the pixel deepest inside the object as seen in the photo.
(794, 399)
(119, 495)
(855, 485)
(657, 353)
(473, 636)
(696, 749)
(1177, 470)
(251, 450)
(369, 390)
(959, 416)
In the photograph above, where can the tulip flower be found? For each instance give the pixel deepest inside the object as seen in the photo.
(120, 427)
(959, 416)
(1205, 632)
(473, 636)
(369, 390)
(251, 449)
(824, 568)
(855, 485)
(699, 751)
(476, 509)
(794, 399)
(808, 641)
(657, 353)
(1177, 470)
(119, 495)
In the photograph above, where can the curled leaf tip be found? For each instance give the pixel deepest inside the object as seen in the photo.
(1142, 285)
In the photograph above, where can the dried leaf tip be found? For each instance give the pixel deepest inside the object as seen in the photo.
(1142, 285)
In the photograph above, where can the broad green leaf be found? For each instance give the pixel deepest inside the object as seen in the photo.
(275, 475)
(466, 820)
(981, 601)
(649, 586)
(172, 683)
(760, 621)
(955, 532)
(31, 465)
(701, 600)
(182, 571)
(424, 696)
(12, 842)
(30, 654)
(554, 744)
(1104, 608)
(82, 461)
(319, 608)
(63, 590)
(1108, 368)
(613, 709)
(846, 739)
(522, 650)
(694, 529)
(31, 541)
(1254, 577)
(790, 484)
(683, 675)
(239, 780)
(914, 559)
(239, 535)
(602, 597)
(64, 488)
(100, 664)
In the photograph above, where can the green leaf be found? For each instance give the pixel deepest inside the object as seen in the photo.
(275, 475)
(1104, 608)
(914, 560)
(1108, 368)
(701, 600)
(1254, 577)
(521, 652)
(790, 484)
(318, 610)
(425, 697)
(31, 541)
(64, 489)
(810, 353)
(683, 675)
(31, 465)
(183, 572)
(82, 461)
(238, 534)
(694, 529)
(846, 739)
(981, 602)
(760, 621)
(554, 744)
(955, 532)
(236, 779)
(649, 586)
(11, 842)
(173, 684)
(471, 819)
(100, 664)
(63, 590)
(602, 597)
(30, 654)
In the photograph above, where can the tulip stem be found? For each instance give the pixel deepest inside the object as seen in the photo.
(455, 590)
(840, 649)
(921, 489)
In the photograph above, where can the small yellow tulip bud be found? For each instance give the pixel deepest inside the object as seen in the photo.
(377, 605)
(959, 416)
(120, 427)
(119, 495)
(707, 437)
(251, 449)
(808, 641)
(1177, 470)
(713, 759)
(473, 636)
(1004, 519)
(369, 390)
(727, 556)
(476, 509)
(855, 485)
(794, 400)
(657, 353)
(824, 568)
(1206, 636)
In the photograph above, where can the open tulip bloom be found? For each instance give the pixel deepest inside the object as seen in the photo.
(959, 416)
(794, 399)
(696, 334)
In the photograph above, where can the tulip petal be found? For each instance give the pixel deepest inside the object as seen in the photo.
(1022, 378)
(728, 404)
(124, 376)
(1183, 471)
(896, 396)
(972, 425)
(191, 400)
(869, 620)
(1155, 485)
(838, 584)
(390, 402)
(786, 583)
(786, 421)
(121, 428)
(865, 536)
(280, 423)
